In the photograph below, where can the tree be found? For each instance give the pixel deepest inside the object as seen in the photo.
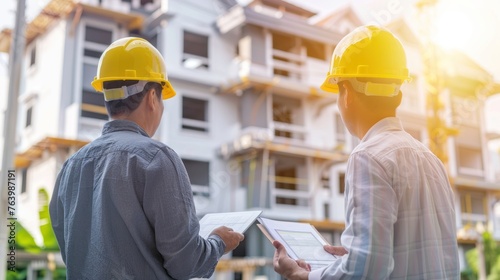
(26, 243)
(491, 259)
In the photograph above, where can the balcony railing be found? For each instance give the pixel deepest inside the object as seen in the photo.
(290, 191)
(291, 131)
(286, 64)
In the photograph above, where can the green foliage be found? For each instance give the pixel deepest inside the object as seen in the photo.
(491, 259)
(491, 251)
(468, 274)
(495, 271)
(49, 238)
(22, 274)
(18, 275)
(25, 241)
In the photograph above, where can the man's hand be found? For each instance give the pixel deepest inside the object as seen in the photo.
(335, 250)
(287, 267)
(231, 238)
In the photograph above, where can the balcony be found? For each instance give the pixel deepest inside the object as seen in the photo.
(138, 7)
(256, 138)
(295, 78)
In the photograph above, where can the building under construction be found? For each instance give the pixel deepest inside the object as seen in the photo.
(250, 122)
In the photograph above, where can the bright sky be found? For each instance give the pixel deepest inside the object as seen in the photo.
(472, 27)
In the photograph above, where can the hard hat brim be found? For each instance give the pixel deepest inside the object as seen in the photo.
(329, 86)
(167, 91)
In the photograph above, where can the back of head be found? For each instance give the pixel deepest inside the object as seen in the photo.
(372, 59)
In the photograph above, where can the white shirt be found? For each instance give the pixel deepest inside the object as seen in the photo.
(400, 215)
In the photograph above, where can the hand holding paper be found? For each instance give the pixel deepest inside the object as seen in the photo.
(288, 267)
(301, 241)
(230, 237)
(237, 221)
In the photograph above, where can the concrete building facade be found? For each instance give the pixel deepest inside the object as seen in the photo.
(249, 121)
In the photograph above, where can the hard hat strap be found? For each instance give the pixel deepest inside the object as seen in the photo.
(374, 88)
(124, 91)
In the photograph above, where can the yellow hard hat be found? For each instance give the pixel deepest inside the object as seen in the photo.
(132, 58)
(367, 52)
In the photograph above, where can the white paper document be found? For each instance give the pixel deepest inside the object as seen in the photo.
(238, 221)
(301, 241)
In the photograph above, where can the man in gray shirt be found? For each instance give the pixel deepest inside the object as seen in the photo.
(122, 206)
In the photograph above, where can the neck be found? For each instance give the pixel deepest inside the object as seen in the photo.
(365, 123)
(139, 120)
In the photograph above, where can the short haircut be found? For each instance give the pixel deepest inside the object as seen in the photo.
(128, 105)
(380, 103)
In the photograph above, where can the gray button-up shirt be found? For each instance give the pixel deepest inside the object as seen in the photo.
(122, 208)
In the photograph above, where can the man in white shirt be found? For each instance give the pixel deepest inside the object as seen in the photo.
(400, 216)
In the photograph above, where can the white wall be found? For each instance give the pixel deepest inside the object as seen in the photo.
(41, 174)
(42, 88)
(199, 17)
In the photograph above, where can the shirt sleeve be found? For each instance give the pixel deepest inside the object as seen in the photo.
(168, 205)
(56, 211)
(371, 212)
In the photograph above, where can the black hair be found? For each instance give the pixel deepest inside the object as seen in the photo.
(129, 104)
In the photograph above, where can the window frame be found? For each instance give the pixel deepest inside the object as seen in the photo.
(89, 110)
(198, 189)
(188, 124)
(468, 214)
(33, 58)
(204, 61)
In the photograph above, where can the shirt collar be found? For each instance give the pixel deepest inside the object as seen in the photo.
(123, 125)
(386, 124)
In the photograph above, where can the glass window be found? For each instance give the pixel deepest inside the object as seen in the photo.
(94, 115)
(472, 202)
(97, 35)
(195, 51)
(341, 183)
(194, 114)
(29, 113)
(325, 179)
(93, 105)
(33, 56)
(194, 109)
(92, 53)
(198, 171)
(326, 210)
(24, 179)
(96, 41)
(195, 44)
(93, 98)
(89, 72)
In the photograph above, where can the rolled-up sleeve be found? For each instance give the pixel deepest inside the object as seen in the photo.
(169, 207)
(371, 212)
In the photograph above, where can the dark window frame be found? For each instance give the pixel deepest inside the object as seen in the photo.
(29, 117)
(198, 112)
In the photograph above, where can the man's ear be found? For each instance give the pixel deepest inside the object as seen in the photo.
(151, 98)
(349, 95)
